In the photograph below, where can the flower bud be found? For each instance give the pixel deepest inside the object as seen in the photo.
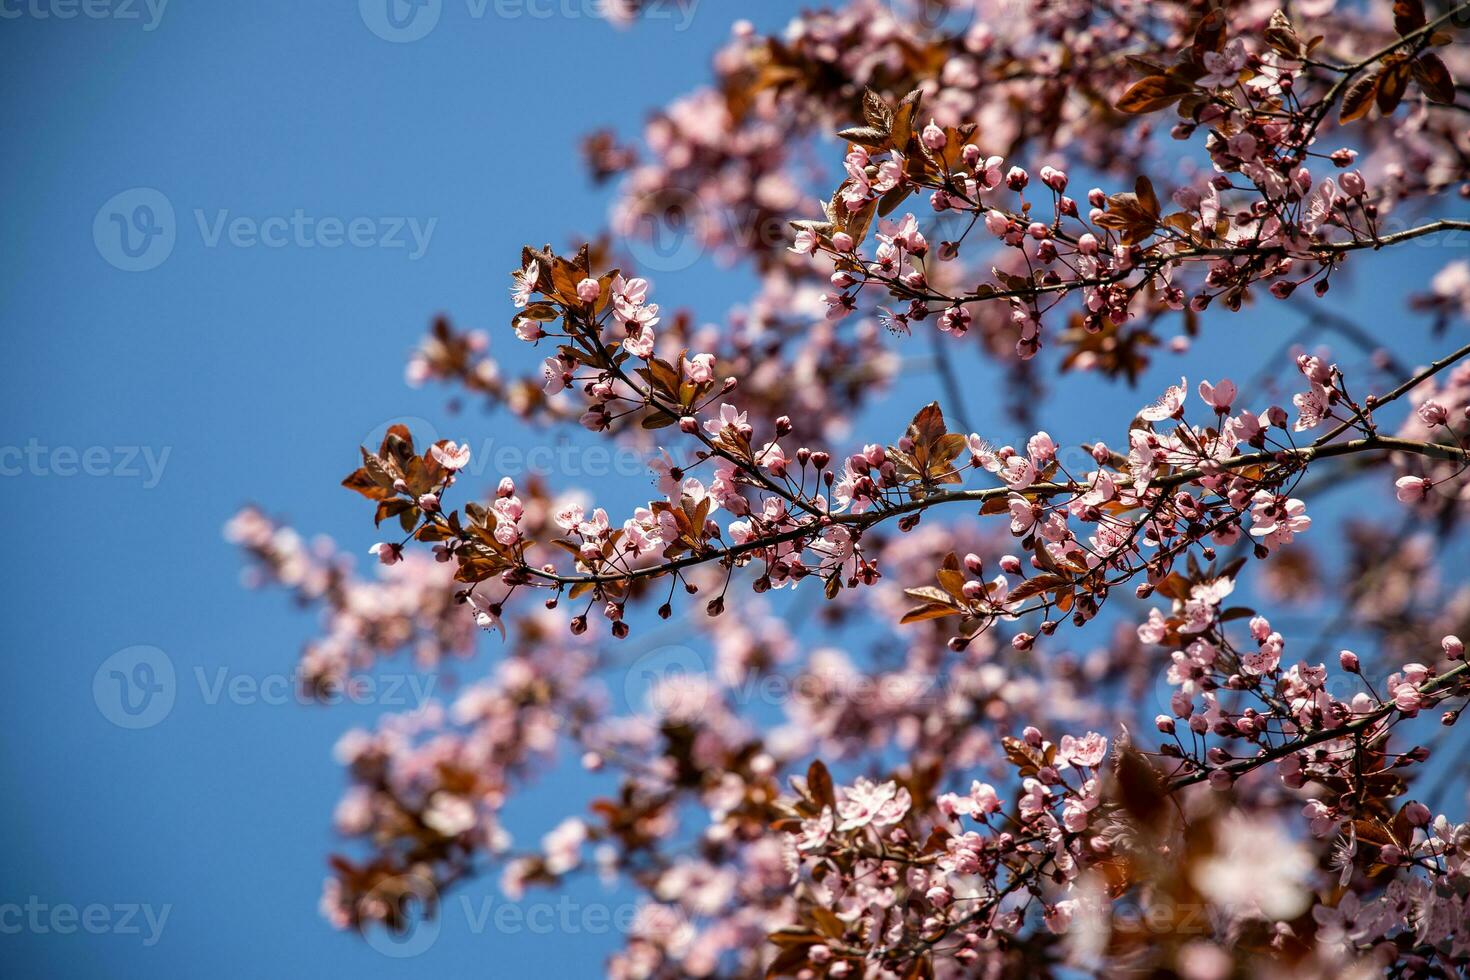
(388, 553)
(1433, 413)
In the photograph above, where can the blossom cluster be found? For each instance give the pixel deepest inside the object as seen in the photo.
(968, 707)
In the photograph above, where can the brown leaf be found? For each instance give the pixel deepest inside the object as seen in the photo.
(930, 610)
(927, 425)
(1144, 189)
(927, 593)
(1026, 759)
(1036, 585)
(391, 508)
(828, 922)
(1210, 35)
(995, 505)
(1358, 99)
(893, 198)
(1139, 787)
(903, 119)
(1134, 216)
(364, 484)
(1393, 80)
(952, 581)
(379, 470)
(1152, 94)
(789, 962)
(819, 784)
(876, 111)
(1434, 78)
(869, 136)
(1282, 36)
(1408, 16)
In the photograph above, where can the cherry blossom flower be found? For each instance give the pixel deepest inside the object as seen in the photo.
(452, 456)
(1412, 489)
(1220, 397)
(1169, 405)
(1086, 751)
(867, 803)
(525, 284)
(729, 419)
(1276, 520)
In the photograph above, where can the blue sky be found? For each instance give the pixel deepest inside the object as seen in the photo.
(141, 408)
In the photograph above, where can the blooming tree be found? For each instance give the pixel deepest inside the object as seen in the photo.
(1035, 726)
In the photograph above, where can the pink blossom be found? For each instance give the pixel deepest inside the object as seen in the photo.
(640, 342)
(451, 456)
(701, 368)
(933, 137)
(1219, 397)
(1433, 413)
(1412, 489)
(449, 815)
(1276, 520)
(524, 283)
(1018, 471)
(1222, 68)
(1041, 448)
(806, 242)
(980, 802)
(1169, 405)
(868, 803)
(729, 419)
(387, 552)
(1022, 516)
(1085, 751)
(1058, 917)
